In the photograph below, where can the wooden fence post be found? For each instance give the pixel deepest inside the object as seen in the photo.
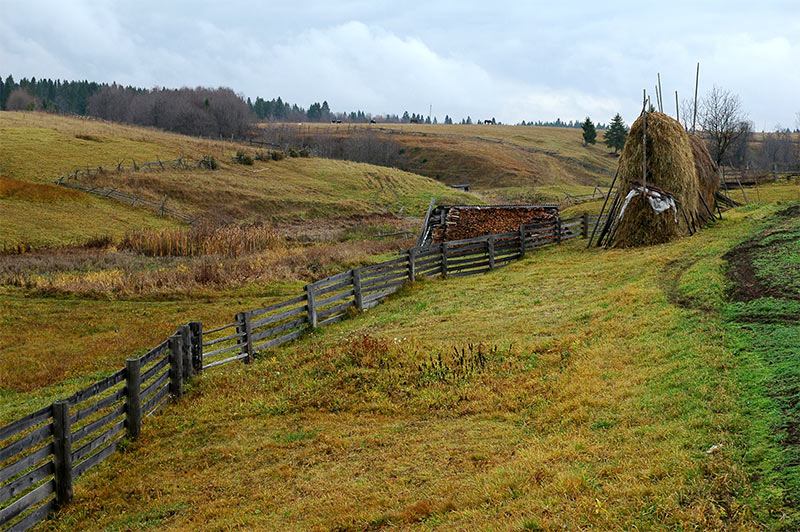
(186, 350)
(521, 241)
(175, 366)
(133, 401)
(312, 306)
(196, 329)
(558, 229)
(244, 328)
(490, 249)
(444, 260)
(62, 452)
(412, 265)
(585, 226)
(359, 299)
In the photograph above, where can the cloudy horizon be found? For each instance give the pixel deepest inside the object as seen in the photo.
(502, 60)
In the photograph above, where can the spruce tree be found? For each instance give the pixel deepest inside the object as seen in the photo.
(589, 132)
(616, 134)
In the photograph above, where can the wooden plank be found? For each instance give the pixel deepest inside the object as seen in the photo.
(79, 434)
(155, 385)
(276, 306)
(366, 285)
(220, 351)
(99, 405)
(451, 264)
(470, 266)
(334, 287)
(333, 299)
(229, 325)
(23, 503)
(470, 272)
(161, 364)
(25, 442)
(383, 271)
(155, 352)
(30, 478)
(24, 423)
(95, 459)
(333, 319)
(220, 340)
(383, 294)
(279, 329)
(371, 290)
(333, 278)
(281, 340)
(28, 461)
(224, 361)
(98, 441)
(365, 270)
(334, 310)
(424, 263)
(97, 388)
(34, 517)
(282, 316)
(148, 405)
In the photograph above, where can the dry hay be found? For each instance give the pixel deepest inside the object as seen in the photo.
(707, 178)
(670, 168)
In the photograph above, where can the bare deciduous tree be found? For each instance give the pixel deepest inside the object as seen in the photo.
(21, 100)
(721, 120)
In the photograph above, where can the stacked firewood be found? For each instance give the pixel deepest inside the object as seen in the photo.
(470, 222)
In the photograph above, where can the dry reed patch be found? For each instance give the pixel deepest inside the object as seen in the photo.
(11, 188)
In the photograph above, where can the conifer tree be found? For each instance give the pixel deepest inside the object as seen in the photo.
(589, 132)
(616, 134)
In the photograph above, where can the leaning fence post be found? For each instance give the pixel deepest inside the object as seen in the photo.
(186, 351)
(558, 229)
(196, 329)
(444, 260)
(62, 453)
(357, 295)
(175, 366)
(490, 249)
(312, 306)
(585, 226)
(521, 241)
(133, 401)
(412, 265)
(245, 339)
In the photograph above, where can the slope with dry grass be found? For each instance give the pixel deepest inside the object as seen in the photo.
(583, 394)
(37, 148)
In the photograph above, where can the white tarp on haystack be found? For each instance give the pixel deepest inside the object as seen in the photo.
(658, 201)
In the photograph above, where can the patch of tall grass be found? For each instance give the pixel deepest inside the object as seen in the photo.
(202, 239)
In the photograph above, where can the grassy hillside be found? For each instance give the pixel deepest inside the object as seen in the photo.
(38, 147)
(614, 395)
(500, 162)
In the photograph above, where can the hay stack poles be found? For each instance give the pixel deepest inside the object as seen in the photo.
(707, 179)
(667, 169)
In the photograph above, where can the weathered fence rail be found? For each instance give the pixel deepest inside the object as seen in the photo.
(43, 453)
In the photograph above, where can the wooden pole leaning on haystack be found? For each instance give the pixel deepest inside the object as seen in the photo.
(663, 171)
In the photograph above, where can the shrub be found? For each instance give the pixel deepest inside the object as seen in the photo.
(262, 156)
(277, 155)
(304, 153)
(242, 158)
(293, 152)
(209, 162)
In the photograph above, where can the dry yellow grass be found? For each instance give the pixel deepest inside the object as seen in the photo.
(593, 412)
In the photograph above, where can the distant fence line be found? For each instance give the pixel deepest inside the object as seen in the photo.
(160, 208)
(43, 453)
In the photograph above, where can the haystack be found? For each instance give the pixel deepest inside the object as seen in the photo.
(671, 179)
(707, 178)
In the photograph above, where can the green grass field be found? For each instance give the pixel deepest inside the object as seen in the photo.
(619, 392)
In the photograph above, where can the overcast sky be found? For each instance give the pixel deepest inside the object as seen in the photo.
(510, 60)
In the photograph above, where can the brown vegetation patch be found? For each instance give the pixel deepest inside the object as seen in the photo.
(23, 190)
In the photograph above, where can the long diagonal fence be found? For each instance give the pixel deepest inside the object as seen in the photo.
(43, 453)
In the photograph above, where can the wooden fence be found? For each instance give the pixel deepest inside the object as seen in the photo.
(43, 453)
(183, 163)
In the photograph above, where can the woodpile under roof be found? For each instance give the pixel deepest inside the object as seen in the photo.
(457, 222)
